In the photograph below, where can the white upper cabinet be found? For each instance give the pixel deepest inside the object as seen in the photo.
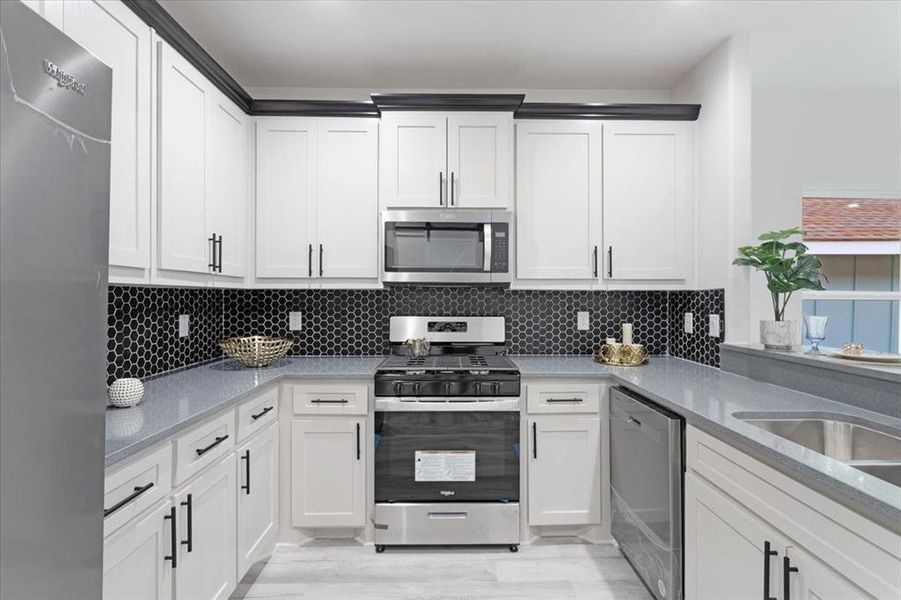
(347, 202)
(115, 35)
(479, 148)
(648, 174)
(286, 187)
(413, 159)
(558, 205)
(437, 159)
(317, 198)
(226, 183)
(183, 104)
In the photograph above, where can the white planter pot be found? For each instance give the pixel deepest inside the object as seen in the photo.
(780, 335)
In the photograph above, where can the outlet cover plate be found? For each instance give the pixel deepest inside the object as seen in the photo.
(689, 323)
(295, 320)
(714, 330)
(583, 320)
(184, 325)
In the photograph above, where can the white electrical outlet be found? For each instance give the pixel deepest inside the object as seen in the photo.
(582, 320)
(184, 325)
(689, 323)
(714, 330)
(295, 320)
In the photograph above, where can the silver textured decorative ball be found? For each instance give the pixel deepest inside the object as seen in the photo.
(125, 392)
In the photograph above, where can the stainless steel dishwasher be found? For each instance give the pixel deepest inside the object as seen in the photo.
(646, 469)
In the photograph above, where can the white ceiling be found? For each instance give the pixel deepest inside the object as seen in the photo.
(478, 44)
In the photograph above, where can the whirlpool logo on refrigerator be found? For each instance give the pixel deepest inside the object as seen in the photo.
(63, 79)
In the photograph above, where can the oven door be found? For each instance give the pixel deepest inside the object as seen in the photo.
(447, 456)
(437, 246)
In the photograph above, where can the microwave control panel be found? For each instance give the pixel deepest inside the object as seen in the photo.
(500, 247)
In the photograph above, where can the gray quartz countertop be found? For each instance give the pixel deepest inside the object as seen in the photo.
(714, 401)
(706, 397)
(177, 401)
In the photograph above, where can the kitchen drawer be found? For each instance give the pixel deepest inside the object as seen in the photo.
(255, 414)
(563, 398)
(330, 399)
(130, 489)
(204, 445)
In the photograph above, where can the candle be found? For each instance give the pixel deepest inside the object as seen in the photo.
(627, 333)
(611, 340)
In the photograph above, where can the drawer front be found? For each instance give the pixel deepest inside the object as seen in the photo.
(141, 483)
(255, 414)
(204, 445)
(563, 398)
(330, 399)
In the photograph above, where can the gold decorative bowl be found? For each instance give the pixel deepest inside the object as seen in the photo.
(256, 350)
(621, 355)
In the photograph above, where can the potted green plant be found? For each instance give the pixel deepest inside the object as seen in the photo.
(787, 268)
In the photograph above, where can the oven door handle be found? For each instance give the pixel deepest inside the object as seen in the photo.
(448, 515)
(487, 233)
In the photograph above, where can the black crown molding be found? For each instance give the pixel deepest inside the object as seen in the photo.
(638, 112)
(155, 16)
(313, 108)
(168, 28)
(486, 102)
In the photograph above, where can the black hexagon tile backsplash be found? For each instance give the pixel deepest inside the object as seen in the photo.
(143, 321)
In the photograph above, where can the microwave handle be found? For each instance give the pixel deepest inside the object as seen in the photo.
(487, 266)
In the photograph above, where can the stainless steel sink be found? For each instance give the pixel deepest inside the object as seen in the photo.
(875, 452)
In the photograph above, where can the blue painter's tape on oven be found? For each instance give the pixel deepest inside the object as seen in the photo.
(376, 438)
(516, 449)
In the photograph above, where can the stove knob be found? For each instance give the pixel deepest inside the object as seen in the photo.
(478, 388)
(447, 388)
(496, 388)
(416, 389)
(398, 387)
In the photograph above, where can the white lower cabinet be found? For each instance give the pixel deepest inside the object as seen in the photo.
(564, 470)
(137, 560)
(257, 497)
(206, 530)
(328, 472)
(752, 532)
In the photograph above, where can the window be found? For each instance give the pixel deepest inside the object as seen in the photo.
(858, 241)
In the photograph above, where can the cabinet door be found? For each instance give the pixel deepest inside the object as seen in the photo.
(648, 176)
(206, 528)
(286, 193)
(724, 548)
(347, 205)
(226, 181)
(815, 581)
(115, 35)
(558, 199)
(328, 475)
(413, 159)
(564, 470)
(257, 497)
(183, 102)
(479, 155)
(134, 563)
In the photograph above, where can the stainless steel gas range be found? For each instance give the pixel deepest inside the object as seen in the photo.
(447, 436)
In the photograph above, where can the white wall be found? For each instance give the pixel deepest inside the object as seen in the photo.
(825, 113)
(721, 84)
(536, 95)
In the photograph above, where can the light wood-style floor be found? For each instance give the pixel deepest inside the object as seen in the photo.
(564, 570)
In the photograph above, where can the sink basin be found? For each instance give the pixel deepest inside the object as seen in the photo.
(875, 452)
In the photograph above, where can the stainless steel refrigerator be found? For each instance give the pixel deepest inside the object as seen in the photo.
(54, 220)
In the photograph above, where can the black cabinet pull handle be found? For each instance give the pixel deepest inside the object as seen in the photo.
(358, 441)
(261, 414)
(310, 260)
(637, 423)
(219, 264)
(318, 401)
(767, 553)
(610, 261)
(595, 261)
(140, 489)
(787, 570)
(534, 440)
(320, 260)
(440, 188)
(452, 182)
(551, 400)
(219, 440)
(212, 263)
(246, 458)
(172, 530)
(189, 504)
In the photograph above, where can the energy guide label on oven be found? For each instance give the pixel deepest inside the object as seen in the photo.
(445, 465)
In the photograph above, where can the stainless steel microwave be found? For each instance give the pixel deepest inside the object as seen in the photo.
(446, 246)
